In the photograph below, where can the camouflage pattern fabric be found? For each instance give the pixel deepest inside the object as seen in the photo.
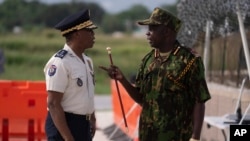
(170, 92)
(162, 17)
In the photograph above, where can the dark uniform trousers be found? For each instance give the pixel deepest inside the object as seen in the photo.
(78, 125)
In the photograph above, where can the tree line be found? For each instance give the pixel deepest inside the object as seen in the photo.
(28, 14)
(33, 13)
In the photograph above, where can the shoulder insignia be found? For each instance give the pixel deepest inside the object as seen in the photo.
(52, 70)
(61, 53)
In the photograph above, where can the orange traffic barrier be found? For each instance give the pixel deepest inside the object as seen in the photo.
(22, 109)
(132, 111)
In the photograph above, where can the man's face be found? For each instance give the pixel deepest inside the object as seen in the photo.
(87, 38)
(156, 35)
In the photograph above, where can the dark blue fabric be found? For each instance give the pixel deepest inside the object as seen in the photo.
(73, 20)
(78, 125)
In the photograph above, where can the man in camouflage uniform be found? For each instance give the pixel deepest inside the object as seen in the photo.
(170, 84)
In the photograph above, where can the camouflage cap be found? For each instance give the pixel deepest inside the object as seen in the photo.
(162, 17)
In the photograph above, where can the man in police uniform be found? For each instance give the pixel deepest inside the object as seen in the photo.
(70, 83)
(170, 84)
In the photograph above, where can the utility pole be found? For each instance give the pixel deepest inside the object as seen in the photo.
(244, 40)
(207, 48)
(224, 50)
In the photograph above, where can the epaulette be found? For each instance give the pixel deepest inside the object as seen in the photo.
(61, 53)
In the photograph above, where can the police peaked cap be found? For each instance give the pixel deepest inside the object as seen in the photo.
(75, 22)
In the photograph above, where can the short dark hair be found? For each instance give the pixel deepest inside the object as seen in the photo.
(69, 36)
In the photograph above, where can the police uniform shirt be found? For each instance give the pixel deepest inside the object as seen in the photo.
(68, 74)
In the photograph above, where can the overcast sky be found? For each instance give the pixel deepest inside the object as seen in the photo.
(114, 6)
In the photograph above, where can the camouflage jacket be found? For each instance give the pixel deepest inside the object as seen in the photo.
(169, 93)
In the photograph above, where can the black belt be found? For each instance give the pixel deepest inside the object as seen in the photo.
(86, 117)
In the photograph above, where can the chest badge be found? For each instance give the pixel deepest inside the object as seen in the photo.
(79, 82)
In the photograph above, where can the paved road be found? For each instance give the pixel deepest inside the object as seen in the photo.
(104, 116)
(104, 120)
(103, 102)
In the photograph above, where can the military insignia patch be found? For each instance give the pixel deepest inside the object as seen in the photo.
(52, 70)
(79, 82)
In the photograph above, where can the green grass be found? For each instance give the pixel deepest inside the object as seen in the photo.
(26, 55)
